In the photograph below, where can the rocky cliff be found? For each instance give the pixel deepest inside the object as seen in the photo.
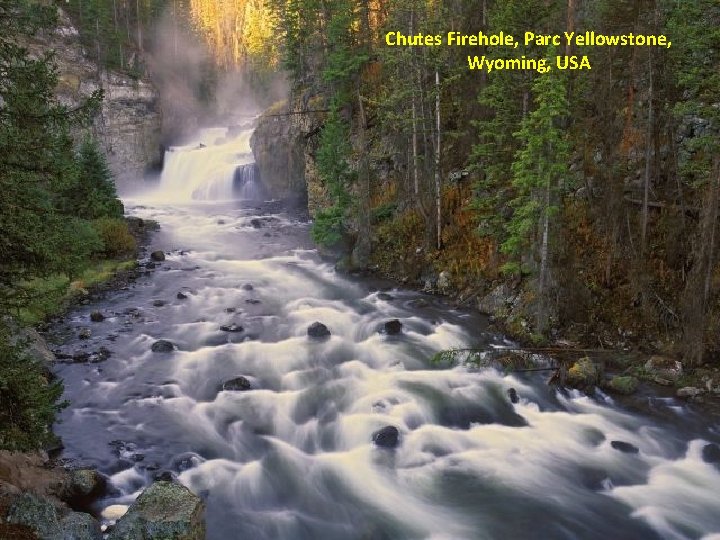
(128, 126)
(283, 144)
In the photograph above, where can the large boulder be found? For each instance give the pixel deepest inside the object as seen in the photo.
(624, 385)
(238, 384)
(318, 330)
(584, 374)
(85, 486)
(498, 301)
(157, 256)
(393, 327)
(663, 370)
(387, 437)
(162, 346)
(39, 517)
(164, 511)
(689, 392)
(37, 513)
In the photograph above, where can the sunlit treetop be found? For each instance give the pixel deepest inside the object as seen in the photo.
(238, 32)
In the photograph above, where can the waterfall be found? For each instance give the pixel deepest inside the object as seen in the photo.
(246, 182)
(217, 165)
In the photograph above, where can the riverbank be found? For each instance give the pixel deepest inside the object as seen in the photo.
(44, 496)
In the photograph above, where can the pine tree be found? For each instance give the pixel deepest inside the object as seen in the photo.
(540, 173)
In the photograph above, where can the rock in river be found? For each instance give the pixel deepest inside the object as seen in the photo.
(624, 447)
(393, 327)
(318, 330)
(625, 385)
(711, 453)
(97, 316)
(231, 328)
(165, 510)
(47, 522)
(513, 395)
(237, 384)
(387, 437)
(688, 392)
(157, 256)
(163, 346)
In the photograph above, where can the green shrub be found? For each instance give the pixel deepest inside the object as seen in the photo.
(28, 400)
(115, 236)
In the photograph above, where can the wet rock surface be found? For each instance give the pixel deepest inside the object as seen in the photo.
(318, 330)
(387, 437)
(165, 510)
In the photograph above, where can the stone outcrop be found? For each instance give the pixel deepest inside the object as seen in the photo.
(165, 510)
(129, 123)
(282, 145)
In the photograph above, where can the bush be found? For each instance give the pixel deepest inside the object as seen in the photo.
(75, 243)
(115, 236)
(28, 401)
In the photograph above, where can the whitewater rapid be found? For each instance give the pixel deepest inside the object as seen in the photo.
(293, 457)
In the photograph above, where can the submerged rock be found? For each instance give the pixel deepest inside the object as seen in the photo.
(182, 295)
(97, 316)
(393, 327)
(159, 303)
(248, 287)
(252, 301)
(162, 346)
(231, 328)
(513, 395)
(418, 303)
(238, 384)
(711, 453)
(84, 333)
(625, 385)
(624, 447)
(385, 296)
(157, 256)
(387, 437)
(318, 330)
(165, 510)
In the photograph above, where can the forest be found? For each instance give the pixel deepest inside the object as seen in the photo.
(569, 191)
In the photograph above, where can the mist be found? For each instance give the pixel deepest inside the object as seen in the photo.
(194, 91)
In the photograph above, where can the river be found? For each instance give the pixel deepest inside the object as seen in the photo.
(292, 458)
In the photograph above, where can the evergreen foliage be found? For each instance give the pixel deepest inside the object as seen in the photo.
(28, 400)
(48, 195)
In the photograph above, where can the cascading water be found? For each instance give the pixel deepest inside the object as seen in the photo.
(292, 457)
(217, 165)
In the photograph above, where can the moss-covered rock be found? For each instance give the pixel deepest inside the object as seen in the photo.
(625, 385)
(166, 511)
(584, 374)
(43, 519)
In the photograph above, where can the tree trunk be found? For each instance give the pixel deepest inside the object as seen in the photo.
(648, 164)
(438, 182)
(542, 313)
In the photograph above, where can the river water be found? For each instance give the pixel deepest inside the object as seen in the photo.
(293, 458)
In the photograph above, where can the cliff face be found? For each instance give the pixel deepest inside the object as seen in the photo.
(128, 126)
(283, 144)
